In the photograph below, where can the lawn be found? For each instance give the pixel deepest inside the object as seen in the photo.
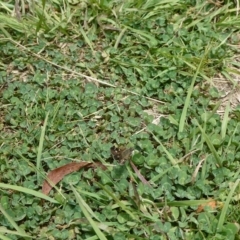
(119, 119)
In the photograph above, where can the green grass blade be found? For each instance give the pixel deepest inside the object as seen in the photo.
(40, 147)
(43, 3)
(40, 172)
(12, 23)
(119, 38)
(155, 3)
(82, 205)
(5, 32)
(225, 121)
(211, 147)
(86, 206)
(147, 36)
(187, 101)
(92, 238)
(120, 204)
(160, 175)
(13, 223)
(184, 203)
(170, 157)
(214, 110)
(4, 237)
(225, 207)
(4, 230)
(236, 130)
(227, 75)
(87, 40)
(28, 191)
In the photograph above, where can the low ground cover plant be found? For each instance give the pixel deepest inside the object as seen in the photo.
(119, 120)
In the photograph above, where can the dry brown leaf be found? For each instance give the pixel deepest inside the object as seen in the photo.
(212, 204)
(58, 174)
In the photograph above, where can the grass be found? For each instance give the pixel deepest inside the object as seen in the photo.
(78, 78)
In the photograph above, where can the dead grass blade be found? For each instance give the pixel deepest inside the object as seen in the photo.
(140, 176)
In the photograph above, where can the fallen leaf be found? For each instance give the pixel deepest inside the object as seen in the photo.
(58, 174)
(212, 204)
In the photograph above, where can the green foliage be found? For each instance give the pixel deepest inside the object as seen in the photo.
(79, 77)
